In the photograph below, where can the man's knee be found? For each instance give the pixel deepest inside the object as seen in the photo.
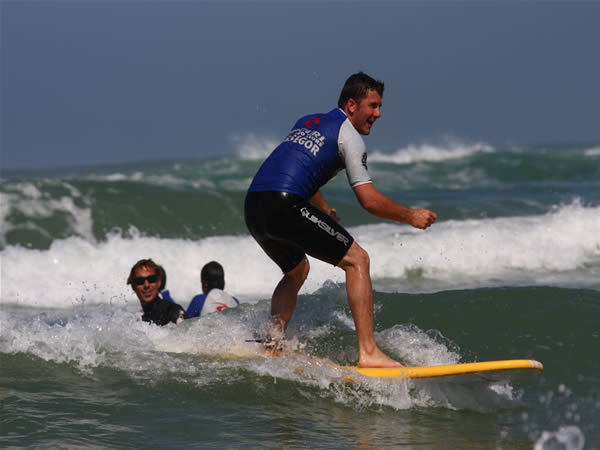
(300, 272)
(356, 256)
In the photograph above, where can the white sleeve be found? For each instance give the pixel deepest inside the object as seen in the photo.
(353, 152)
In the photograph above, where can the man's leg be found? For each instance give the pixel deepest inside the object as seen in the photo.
(284, 298)
(360, 298)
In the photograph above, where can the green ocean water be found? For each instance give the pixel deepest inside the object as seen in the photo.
(509, 271)
(196, 199)
(136, 396)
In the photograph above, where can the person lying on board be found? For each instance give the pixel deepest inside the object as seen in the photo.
(288, 216)
(213, 297)
(147, 279)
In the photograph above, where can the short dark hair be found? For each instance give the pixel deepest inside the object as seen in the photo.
(213, 276)
(148, 263)
(357, 86)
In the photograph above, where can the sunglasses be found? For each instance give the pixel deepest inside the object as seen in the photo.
(141, 280)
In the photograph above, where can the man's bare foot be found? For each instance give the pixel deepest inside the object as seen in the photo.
(274, 346)
(273, 353)
(377, 359)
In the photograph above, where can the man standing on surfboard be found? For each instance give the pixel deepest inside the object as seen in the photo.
(288, 216)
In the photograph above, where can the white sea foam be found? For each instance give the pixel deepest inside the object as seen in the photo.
(213, 349)
(568, 438)
(28, 200)
(595, 151)
(252, 146)
(431, 153)
(170, 180)
(559, 248)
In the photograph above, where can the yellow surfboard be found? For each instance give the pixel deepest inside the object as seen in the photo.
(452, 369)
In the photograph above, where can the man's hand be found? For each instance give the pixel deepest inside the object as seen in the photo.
(319, 201)
(333, 214)
(422, 218)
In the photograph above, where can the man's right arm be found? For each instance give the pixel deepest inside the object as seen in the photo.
(381, 206)
(319, 201)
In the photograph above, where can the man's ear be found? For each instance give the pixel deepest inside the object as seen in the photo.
(351, 106)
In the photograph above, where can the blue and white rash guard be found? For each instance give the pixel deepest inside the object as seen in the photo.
(318, 146)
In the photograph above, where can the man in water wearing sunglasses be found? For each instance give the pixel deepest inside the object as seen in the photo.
(147, 279)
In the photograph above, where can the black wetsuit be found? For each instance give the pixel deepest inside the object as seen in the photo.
(278, 211)
(162, 312)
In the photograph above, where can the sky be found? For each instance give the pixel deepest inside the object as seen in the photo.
(98, 82)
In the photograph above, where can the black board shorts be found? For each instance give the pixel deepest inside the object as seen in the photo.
(288, 227)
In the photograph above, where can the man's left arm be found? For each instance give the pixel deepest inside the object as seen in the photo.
(381, 206)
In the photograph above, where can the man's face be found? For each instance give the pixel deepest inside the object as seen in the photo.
(148, 289)
(364, 113)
